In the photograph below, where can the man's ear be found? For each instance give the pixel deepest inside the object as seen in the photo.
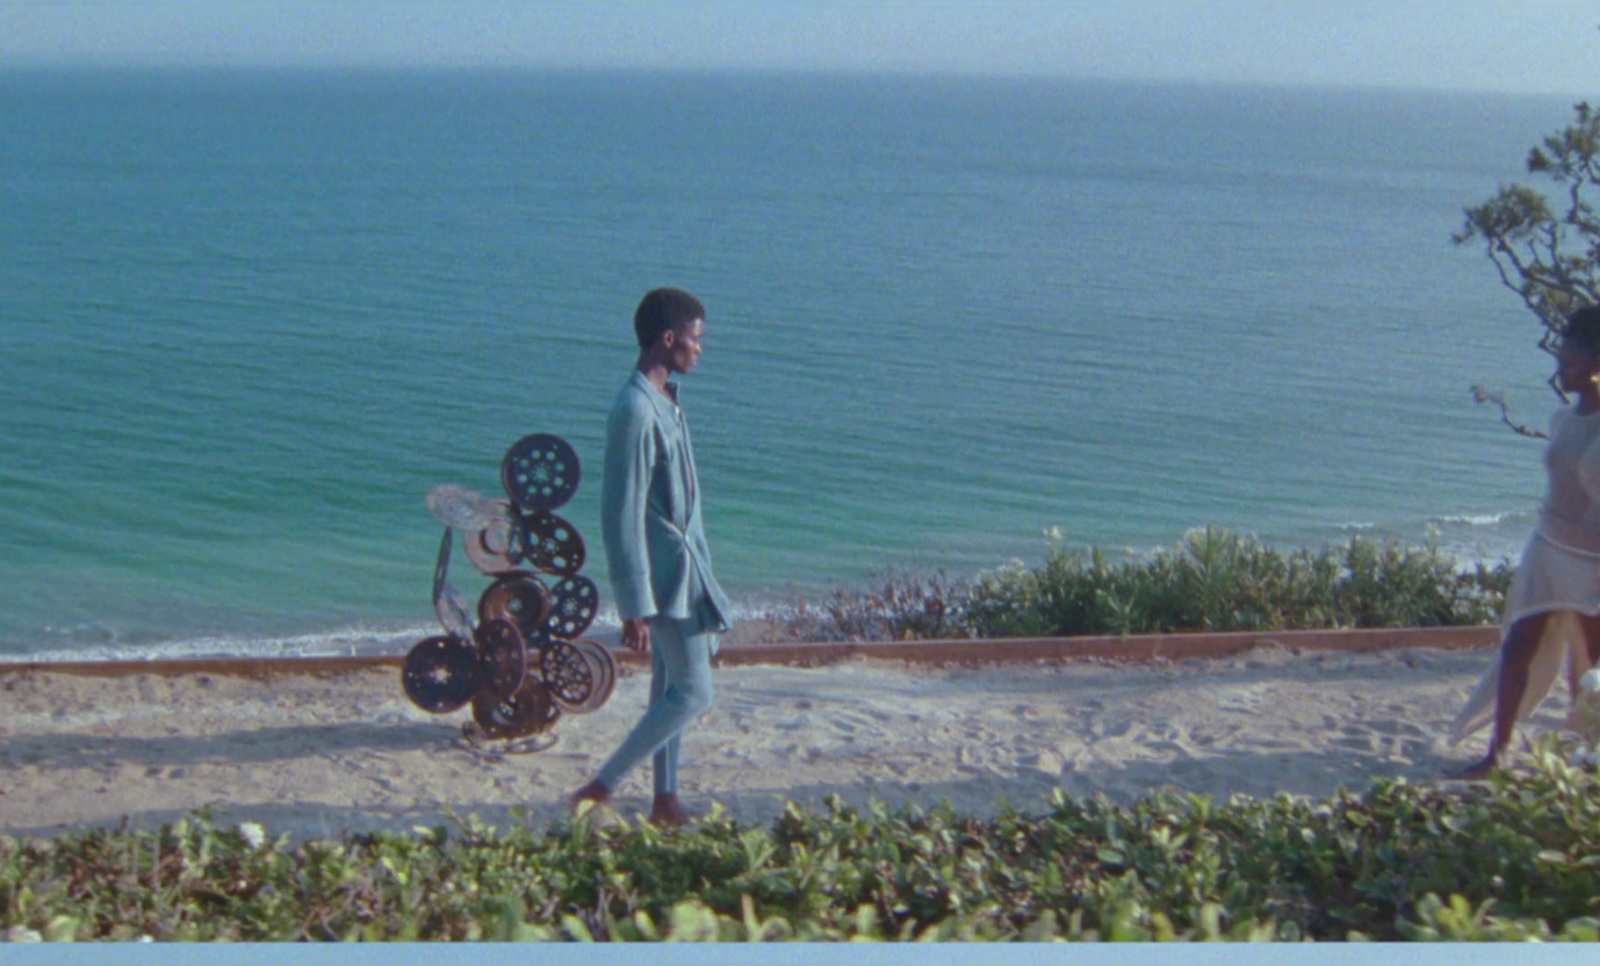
(669, 338)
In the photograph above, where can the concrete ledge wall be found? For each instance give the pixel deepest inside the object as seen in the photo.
(1143, 647)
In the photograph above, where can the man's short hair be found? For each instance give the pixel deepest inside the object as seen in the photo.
(662, 309)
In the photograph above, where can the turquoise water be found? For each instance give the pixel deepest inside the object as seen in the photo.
(249, 319)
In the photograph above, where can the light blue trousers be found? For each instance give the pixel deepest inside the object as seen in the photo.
(680, 691)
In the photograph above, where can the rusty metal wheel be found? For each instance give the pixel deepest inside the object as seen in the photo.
(504, 656)
(441, 566)
(497, 548)
(552, 545)
(460, 508)
(573, 603)
(518, 597)
(540, 472)
(529, 711)
(448, 603)
(440, 674)
(602, 668)
(453, 612)
(568, 674)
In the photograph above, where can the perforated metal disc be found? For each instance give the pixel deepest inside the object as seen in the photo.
(536, 644)
(567, 674)
(540, 472)
(453, 611)
(448, 603)
(552, 545)
(440, 674)
(460, 508)
(603, 668)
(497, 548)
(504, 656)
(520, 598)
(573, 602)
(441, 566)
(527, 712)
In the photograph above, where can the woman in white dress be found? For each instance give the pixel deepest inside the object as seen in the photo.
(1553, 610)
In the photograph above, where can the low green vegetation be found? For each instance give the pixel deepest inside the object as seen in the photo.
(1514, 859)
(1213, 580)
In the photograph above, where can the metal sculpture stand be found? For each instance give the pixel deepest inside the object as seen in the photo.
(517, 657)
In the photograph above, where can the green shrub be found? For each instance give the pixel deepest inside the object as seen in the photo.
(1512, 859)
(1212, 581)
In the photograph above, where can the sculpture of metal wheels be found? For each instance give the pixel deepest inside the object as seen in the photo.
(522, 663)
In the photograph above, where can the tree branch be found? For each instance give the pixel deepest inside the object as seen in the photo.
(1529, 245)
(1481, 394)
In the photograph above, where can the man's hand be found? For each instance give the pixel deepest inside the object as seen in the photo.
(636, 634)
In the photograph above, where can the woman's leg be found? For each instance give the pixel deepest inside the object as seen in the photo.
(1517, 650)
(1589, 625)
(1591, 636)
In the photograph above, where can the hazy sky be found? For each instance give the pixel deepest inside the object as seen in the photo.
(1510, 45)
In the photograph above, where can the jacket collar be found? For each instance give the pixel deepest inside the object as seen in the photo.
(664, 404)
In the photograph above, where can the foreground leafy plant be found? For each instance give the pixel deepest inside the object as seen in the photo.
(1517, 858)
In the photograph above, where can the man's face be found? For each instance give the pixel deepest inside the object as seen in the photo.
(683, 345)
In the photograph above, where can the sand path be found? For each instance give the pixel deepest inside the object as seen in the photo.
(317, 755)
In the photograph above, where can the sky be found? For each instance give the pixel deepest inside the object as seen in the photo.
(1525, 46)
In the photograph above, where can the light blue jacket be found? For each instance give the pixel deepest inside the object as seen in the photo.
(650, 511)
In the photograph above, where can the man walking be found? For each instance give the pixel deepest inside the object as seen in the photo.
(655, 543)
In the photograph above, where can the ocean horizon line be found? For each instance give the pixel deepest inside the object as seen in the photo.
(768, 73)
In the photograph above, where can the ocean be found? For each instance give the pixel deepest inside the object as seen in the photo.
(249, 319)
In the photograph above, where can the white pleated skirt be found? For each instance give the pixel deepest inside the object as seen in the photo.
(1551, 578)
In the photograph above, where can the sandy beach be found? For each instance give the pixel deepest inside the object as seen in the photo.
(314, 755)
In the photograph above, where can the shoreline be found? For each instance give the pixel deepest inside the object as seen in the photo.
(393, 635)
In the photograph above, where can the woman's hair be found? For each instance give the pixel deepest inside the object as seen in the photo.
(1583, 328)
(662, 309)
